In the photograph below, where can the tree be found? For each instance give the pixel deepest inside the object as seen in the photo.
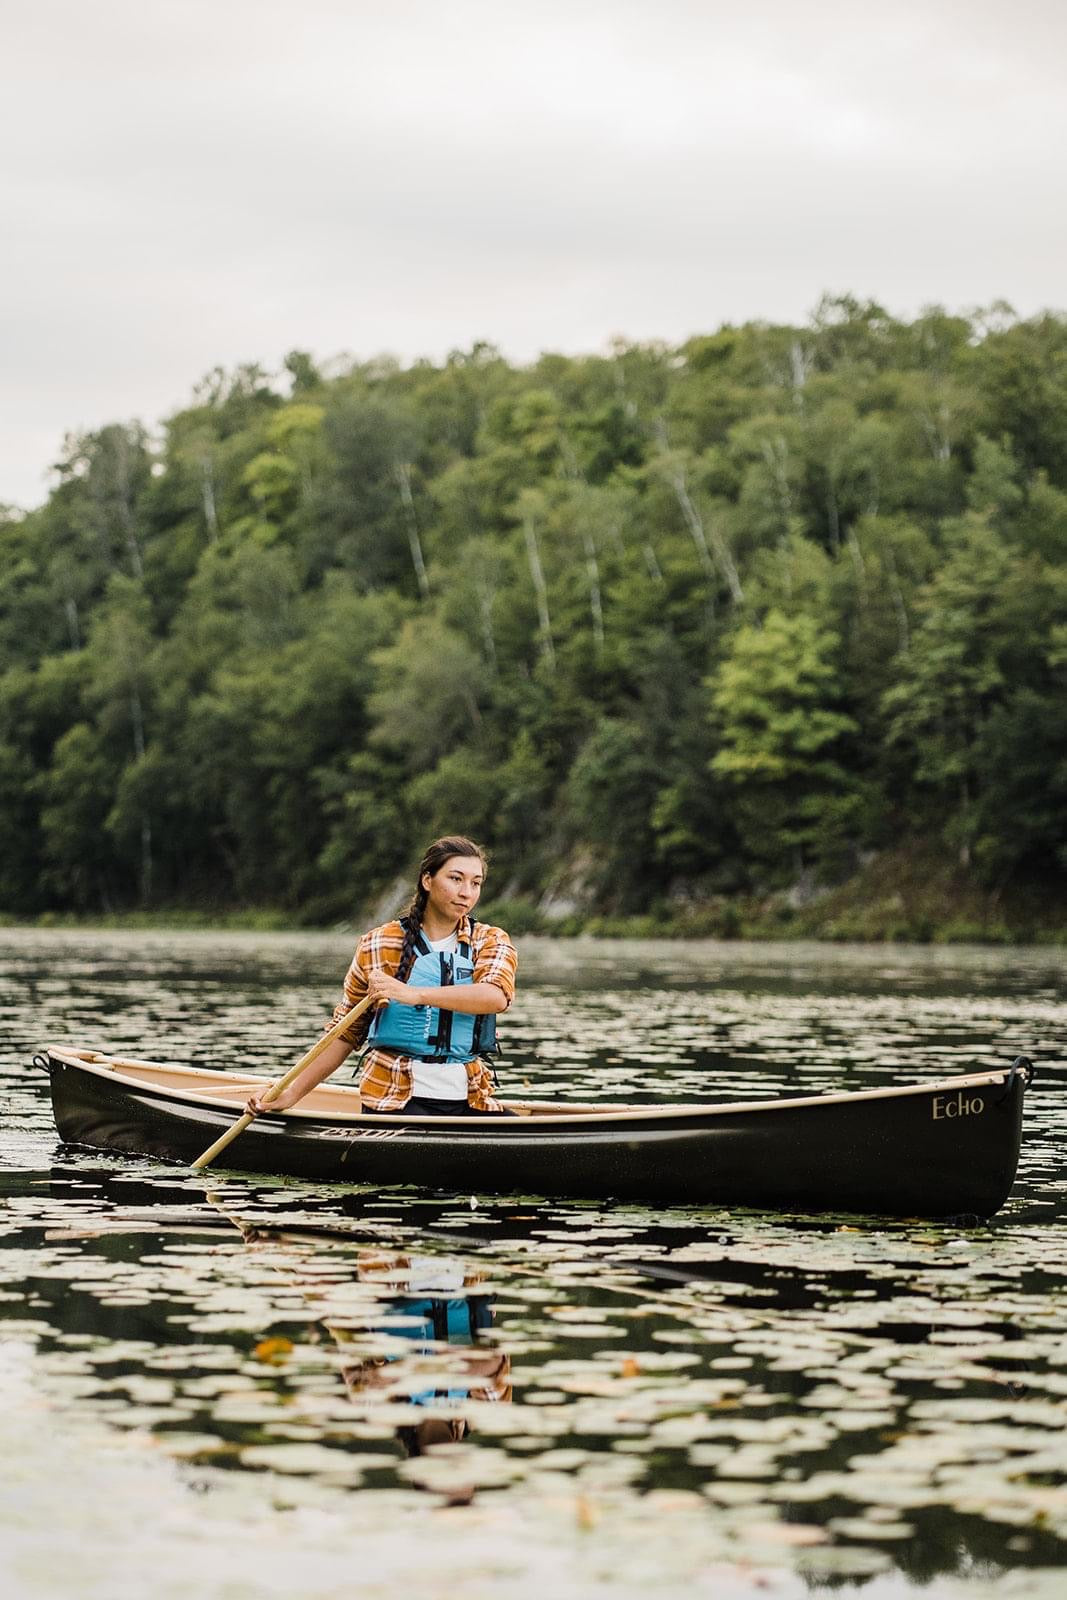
(77, 793)
(976, 617)
(118, 686)
(612, 788)
(427, 698)
(19, 836)
(1021, 372)
(776, 701)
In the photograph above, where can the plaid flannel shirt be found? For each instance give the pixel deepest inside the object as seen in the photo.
(385, 1081)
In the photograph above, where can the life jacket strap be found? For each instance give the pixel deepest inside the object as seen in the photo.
(443, 1037)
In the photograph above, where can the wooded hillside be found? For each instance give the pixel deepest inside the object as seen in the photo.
(662, 627)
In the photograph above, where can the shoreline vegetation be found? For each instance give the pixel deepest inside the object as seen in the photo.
(906, 897)
(761, 635)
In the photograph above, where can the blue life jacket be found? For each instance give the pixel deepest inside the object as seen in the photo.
(425, 1032)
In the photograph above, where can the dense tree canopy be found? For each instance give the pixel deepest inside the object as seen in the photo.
(679, 622)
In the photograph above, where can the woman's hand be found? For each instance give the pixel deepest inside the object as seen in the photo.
(256, 1105)
(382, 987)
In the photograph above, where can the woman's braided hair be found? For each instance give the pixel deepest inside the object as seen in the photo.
(440, 851)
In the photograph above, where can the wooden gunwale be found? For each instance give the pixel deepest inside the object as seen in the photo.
(140, 1074)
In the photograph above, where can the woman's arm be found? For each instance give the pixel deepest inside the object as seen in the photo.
(326, 1062)
(355, 987)
(477, 998)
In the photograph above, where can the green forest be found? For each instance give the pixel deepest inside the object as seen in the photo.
(762, 633)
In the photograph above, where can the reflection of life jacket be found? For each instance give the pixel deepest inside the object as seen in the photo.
(446, 1321)
(426, 1032)
(443, 1322)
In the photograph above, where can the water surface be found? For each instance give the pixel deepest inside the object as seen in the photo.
(233, 1386)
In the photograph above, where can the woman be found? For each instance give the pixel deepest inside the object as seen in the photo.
(442, 978)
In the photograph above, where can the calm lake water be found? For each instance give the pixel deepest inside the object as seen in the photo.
(242, 1387)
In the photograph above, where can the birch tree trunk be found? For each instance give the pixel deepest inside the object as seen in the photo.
(125, 498)
(595, 603)
(485, 615)
(70, 611)
(533, 557)
(137, 722)
(402, 472)
(207, 491)
(674, 471)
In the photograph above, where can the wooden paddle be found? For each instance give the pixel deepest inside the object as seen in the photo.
(283, 1083)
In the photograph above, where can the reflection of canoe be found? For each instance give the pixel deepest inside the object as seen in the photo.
(936, 1149)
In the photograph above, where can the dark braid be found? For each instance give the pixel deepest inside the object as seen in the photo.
(441, 851)
(412, 921)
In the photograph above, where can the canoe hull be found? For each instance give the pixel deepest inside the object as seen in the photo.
(947, 1149)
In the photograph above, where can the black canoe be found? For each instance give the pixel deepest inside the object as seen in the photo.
(945, 1148)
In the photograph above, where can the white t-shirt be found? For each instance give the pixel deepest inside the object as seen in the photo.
(440, 1080)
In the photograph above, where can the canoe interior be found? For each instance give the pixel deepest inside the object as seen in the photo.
(332, 1100)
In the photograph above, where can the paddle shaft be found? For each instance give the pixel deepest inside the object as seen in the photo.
(283, 1083)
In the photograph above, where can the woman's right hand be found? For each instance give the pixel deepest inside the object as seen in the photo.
(256, 1106)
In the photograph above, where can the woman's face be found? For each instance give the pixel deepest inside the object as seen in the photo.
(455, 887)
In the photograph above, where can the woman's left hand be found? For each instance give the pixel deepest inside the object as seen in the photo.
(382, 987)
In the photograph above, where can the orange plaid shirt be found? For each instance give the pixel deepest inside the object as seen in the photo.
(385, 1081)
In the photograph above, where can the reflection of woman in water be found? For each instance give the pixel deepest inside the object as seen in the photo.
(427, 1300)
(443, 978)
(435, 1309)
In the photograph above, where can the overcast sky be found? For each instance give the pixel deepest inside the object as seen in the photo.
(195, 182)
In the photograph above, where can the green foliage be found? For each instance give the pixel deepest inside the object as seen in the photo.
(429, 682)
(669, 625)
(76, 792)
(612, 783)
(977, 709)
(19, 844)
(775, 702)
